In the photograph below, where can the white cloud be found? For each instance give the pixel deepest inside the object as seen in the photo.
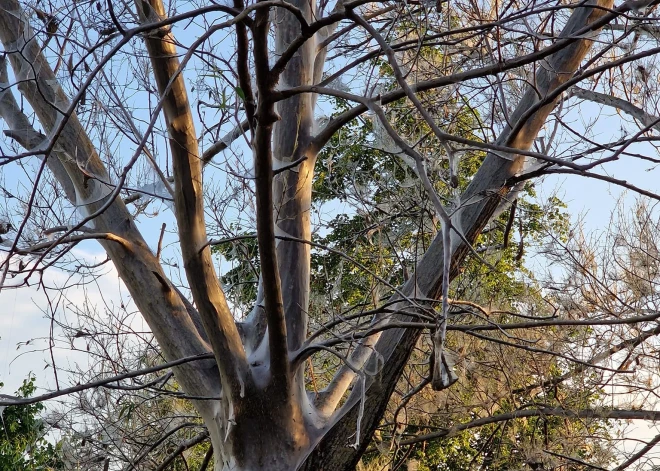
(25, 326)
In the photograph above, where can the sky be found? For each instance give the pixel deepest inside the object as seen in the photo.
(25, 323)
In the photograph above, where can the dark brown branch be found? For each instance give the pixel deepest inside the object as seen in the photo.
(626, 344)
(649, 446)
(181, 448)
(575, 460)
(207, 459)
(157, 443)
(263, 172)
(20, 401)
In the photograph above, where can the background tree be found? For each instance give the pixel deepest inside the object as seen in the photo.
(451, 100)
(23, 446)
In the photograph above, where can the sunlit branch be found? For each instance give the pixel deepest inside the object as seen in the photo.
(189, 206)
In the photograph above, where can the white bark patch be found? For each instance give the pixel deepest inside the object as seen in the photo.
(4, 88)
(97, 191)
(418, 292)
(280, 163)
(457, 233)
(241, 385)
(384, 142)
(231, 420)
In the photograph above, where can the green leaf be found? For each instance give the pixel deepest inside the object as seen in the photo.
(240, 92)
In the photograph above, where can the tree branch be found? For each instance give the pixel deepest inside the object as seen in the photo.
(181, 448)
(480, 200)
(23, 401)
(292, 188)
(562, 43)
(203, 280)
(225, 142)
(24, 133)
(648, 447)
(618, 414)
(270, 282)
(636, 112)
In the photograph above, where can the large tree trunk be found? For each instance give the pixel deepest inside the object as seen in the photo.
(265, 432)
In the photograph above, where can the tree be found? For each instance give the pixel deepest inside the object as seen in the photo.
(23, 446)
(247, 374)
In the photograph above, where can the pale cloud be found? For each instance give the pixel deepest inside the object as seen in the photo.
(25, 326)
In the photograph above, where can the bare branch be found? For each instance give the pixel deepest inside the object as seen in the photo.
(271, 281)
(616, 414)
(618, 103)
(189, 205)
(22, 401)
(23, 132)
(639, 454)
(225, 142)
(181, 448)
(137, 268)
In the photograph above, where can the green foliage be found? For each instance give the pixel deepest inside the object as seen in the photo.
(398, 222)
(453, 454)
(22, 443)
(241, 281)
